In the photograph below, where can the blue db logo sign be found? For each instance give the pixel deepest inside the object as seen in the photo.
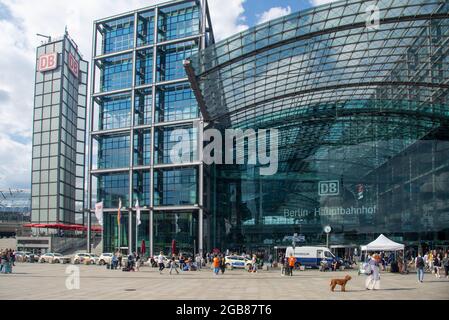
(329, 188)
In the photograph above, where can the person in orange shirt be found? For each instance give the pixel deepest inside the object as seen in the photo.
(216, 264)
(291, 263)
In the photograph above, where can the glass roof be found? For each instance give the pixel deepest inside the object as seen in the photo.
(326, 77)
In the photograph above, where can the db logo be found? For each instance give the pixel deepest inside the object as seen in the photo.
(329, 188)
(74, 65)
(47, 62)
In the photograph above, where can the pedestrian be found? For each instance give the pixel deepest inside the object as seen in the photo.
(291, 264)
(420, 264)
(437, 265)
(138, 261)
(120, 258)
(430, 261)
(270, 260)
(114, 262)
(181, 262)
(216, 265)
(3, 261)
(8, 264)
(13, 257)
(445, 264)
(160, 261)
(222, 264)
(198, 261)
(373, 280)
(173, 265)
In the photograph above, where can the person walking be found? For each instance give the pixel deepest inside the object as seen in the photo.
(198, 261)
(445, 264)
(114, 262)
(291, 264)
(437, 265)
(270, 260)
(430, 261)
(137, 260)
(173, 265)
(373, 280)
(160, 261)
(3, 261)
(216, 265)
(8, 264)
(222, 264)
(420, 265)
(120, 258)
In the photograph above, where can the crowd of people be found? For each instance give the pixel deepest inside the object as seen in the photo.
(7, 260)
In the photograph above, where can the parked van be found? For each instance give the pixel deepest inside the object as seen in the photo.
(310, 256)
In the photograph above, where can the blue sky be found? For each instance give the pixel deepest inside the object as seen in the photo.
(254, 8)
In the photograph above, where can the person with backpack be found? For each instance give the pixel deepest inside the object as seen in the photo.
(420, 265)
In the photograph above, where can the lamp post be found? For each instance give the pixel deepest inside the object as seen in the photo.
(327, 230)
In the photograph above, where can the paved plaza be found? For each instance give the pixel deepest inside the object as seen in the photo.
(48, 282)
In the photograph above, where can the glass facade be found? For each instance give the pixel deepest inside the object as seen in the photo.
(363, 117)
(140, 97)
(59, 135)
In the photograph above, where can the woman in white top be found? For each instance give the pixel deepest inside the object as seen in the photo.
(373, 280)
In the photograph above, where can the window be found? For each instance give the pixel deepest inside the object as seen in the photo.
(116, 73)
(179, 21)
(113, 152)
(115, 112)
(175, 102)
(170, 59)
(118, 35)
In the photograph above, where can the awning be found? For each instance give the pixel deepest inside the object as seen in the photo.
(382, 243)
(60, 226)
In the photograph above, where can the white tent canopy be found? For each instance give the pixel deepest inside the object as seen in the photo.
(383, 244)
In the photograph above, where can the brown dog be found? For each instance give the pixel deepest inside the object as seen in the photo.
(340, 282)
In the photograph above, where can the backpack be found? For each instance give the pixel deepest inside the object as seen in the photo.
(419, 262)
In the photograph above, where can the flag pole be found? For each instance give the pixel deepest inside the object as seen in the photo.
(119, 218)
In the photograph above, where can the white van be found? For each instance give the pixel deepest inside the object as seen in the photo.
(310, 256)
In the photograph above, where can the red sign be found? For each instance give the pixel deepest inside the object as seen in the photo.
(74, 66)
(47, 62)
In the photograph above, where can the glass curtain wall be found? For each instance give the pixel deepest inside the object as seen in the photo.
(141, 96)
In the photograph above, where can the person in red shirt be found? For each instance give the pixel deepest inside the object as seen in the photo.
(216, 264)
(291, 264)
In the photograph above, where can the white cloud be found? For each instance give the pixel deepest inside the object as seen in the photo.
(20, 20)
(320, 2)
(227, 17)
(274, 13)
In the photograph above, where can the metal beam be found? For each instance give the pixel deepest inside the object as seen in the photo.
(196, 89)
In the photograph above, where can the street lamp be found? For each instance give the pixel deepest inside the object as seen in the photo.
(327, 230)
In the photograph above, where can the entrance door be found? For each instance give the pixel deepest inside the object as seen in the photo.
(319, 257)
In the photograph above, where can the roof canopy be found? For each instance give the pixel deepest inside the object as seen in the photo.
(382, 243)
(71, 227)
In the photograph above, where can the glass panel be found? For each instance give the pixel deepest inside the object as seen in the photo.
(175, 187)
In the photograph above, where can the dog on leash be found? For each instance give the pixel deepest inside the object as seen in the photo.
(340, 282)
